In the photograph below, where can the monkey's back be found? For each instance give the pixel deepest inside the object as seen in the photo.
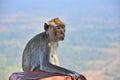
(33, 52)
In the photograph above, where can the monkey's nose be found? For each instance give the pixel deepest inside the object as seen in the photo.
(62, 32)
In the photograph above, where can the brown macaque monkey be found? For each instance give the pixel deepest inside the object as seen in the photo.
(41, 51)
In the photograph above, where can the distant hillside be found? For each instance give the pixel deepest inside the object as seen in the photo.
(89, 51)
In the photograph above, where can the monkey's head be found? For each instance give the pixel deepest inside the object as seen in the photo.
(56, 29)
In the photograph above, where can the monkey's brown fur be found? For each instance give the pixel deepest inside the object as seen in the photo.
(41, 51)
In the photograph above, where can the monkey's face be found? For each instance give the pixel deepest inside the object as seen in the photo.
(60, 32)
(56, 29)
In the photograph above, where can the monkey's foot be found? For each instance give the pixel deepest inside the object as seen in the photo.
(77, 76)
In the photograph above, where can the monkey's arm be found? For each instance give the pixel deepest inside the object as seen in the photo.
(56, 69)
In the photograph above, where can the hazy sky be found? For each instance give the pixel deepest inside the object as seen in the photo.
(74, 8)
(81, 12)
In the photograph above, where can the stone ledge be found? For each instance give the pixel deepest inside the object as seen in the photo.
(39, 75)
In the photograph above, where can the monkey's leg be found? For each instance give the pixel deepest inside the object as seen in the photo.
(53, 68)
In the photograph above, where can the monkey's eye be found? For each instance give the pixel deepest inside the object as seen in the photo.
(58, 27)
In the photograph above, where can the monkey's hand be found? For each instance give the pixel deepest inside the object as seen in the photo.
(77, 76)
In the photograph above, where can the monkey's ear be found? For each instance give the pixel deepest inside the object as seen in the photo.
(46, 26)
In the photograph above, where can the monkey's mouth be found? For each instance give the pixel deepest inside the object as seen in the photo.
(62, 36)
